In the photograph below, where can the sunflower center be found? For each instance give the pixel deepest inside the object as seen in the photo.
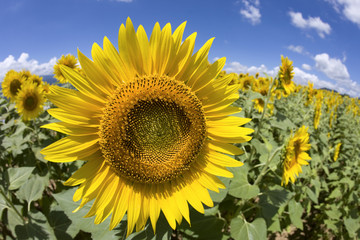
(297, 148)
(15, 86)
(30, 102)
(152, 129)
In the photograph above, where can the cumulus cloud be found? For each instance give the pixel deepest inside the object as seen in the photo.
(332, 67)
(23, 62)
(251, 11)
(316, 23)
(336, 70)
(302, 77)
(306, 66)
(237, 67)
(298, 49)
(349, 8)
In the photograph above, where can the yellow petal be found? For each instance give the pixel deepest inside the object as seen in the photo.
(224, 148)
(223, 160)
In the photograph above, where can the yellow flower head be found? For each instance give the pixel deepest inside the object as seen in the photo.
(286, 75)
(317, 112)
(262, 86)
(46, 87)
(246, 82)
(12, 84)
(295, 155)
(69, 61)
(26, 74)
(36, 79)
(259, 104)
(30, 101)
(337, 151)
(153, 124)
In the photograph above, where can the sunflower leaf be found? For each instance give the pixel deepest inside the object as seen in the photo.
(32, 190)
(18, 176)
(98, 231)
(240, 187)
(242, 230)
(37, 227)
(295, 212)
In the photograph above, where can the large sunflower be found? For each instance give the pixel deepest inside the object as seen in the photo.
(12, 84)
(152, 122)
(295, 155)
(30, 100)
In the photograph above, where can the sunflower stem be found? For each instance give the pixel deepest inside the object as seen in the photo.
(261, 119)
(12, 205)
(265, 168)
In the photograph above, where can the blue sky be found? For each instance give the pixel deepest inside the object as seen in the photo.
(321, 37)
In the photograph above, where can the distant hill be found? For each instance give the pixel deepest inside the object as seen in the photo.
(49, 79)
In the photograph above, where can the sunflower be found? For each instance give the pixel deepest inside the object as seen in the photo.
(36, 79)
(26, 74)
(46, 87)
(69, 61)
(286, 75)
(259, 104)
(337, 151)
(30, 101)
(295, 155)
(153, 124)
(246, 82)
(317, 111)
(12, 84)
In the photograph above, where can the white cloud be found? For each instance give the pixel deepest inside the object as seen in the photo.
(302, 77)
(251, 11)
(336, 70)
(239, 68)
(298, 49)
(321, 27)
(306, 66)
(23, 62)
(332, 67)
(126, 1)
(349, 8)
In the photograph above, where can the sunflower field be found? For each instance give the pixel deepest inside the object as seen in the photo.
(152, 141)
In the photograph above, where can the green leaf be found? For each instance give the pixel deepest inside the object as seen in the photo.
(18, 176)
(333, 213)
(163, 231)
(336, 193)
(98, 231)
(61, 224)
(311, 195)
(14, 219)
(32, 190)
(270, 202)
(352, 226)
(203, 227)
(259, 146)
(218, 197)
(37, 227)
(243, 230)
(240, 187)
(38, 155)
(3, 204)
(323, 138)
(295, 212)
